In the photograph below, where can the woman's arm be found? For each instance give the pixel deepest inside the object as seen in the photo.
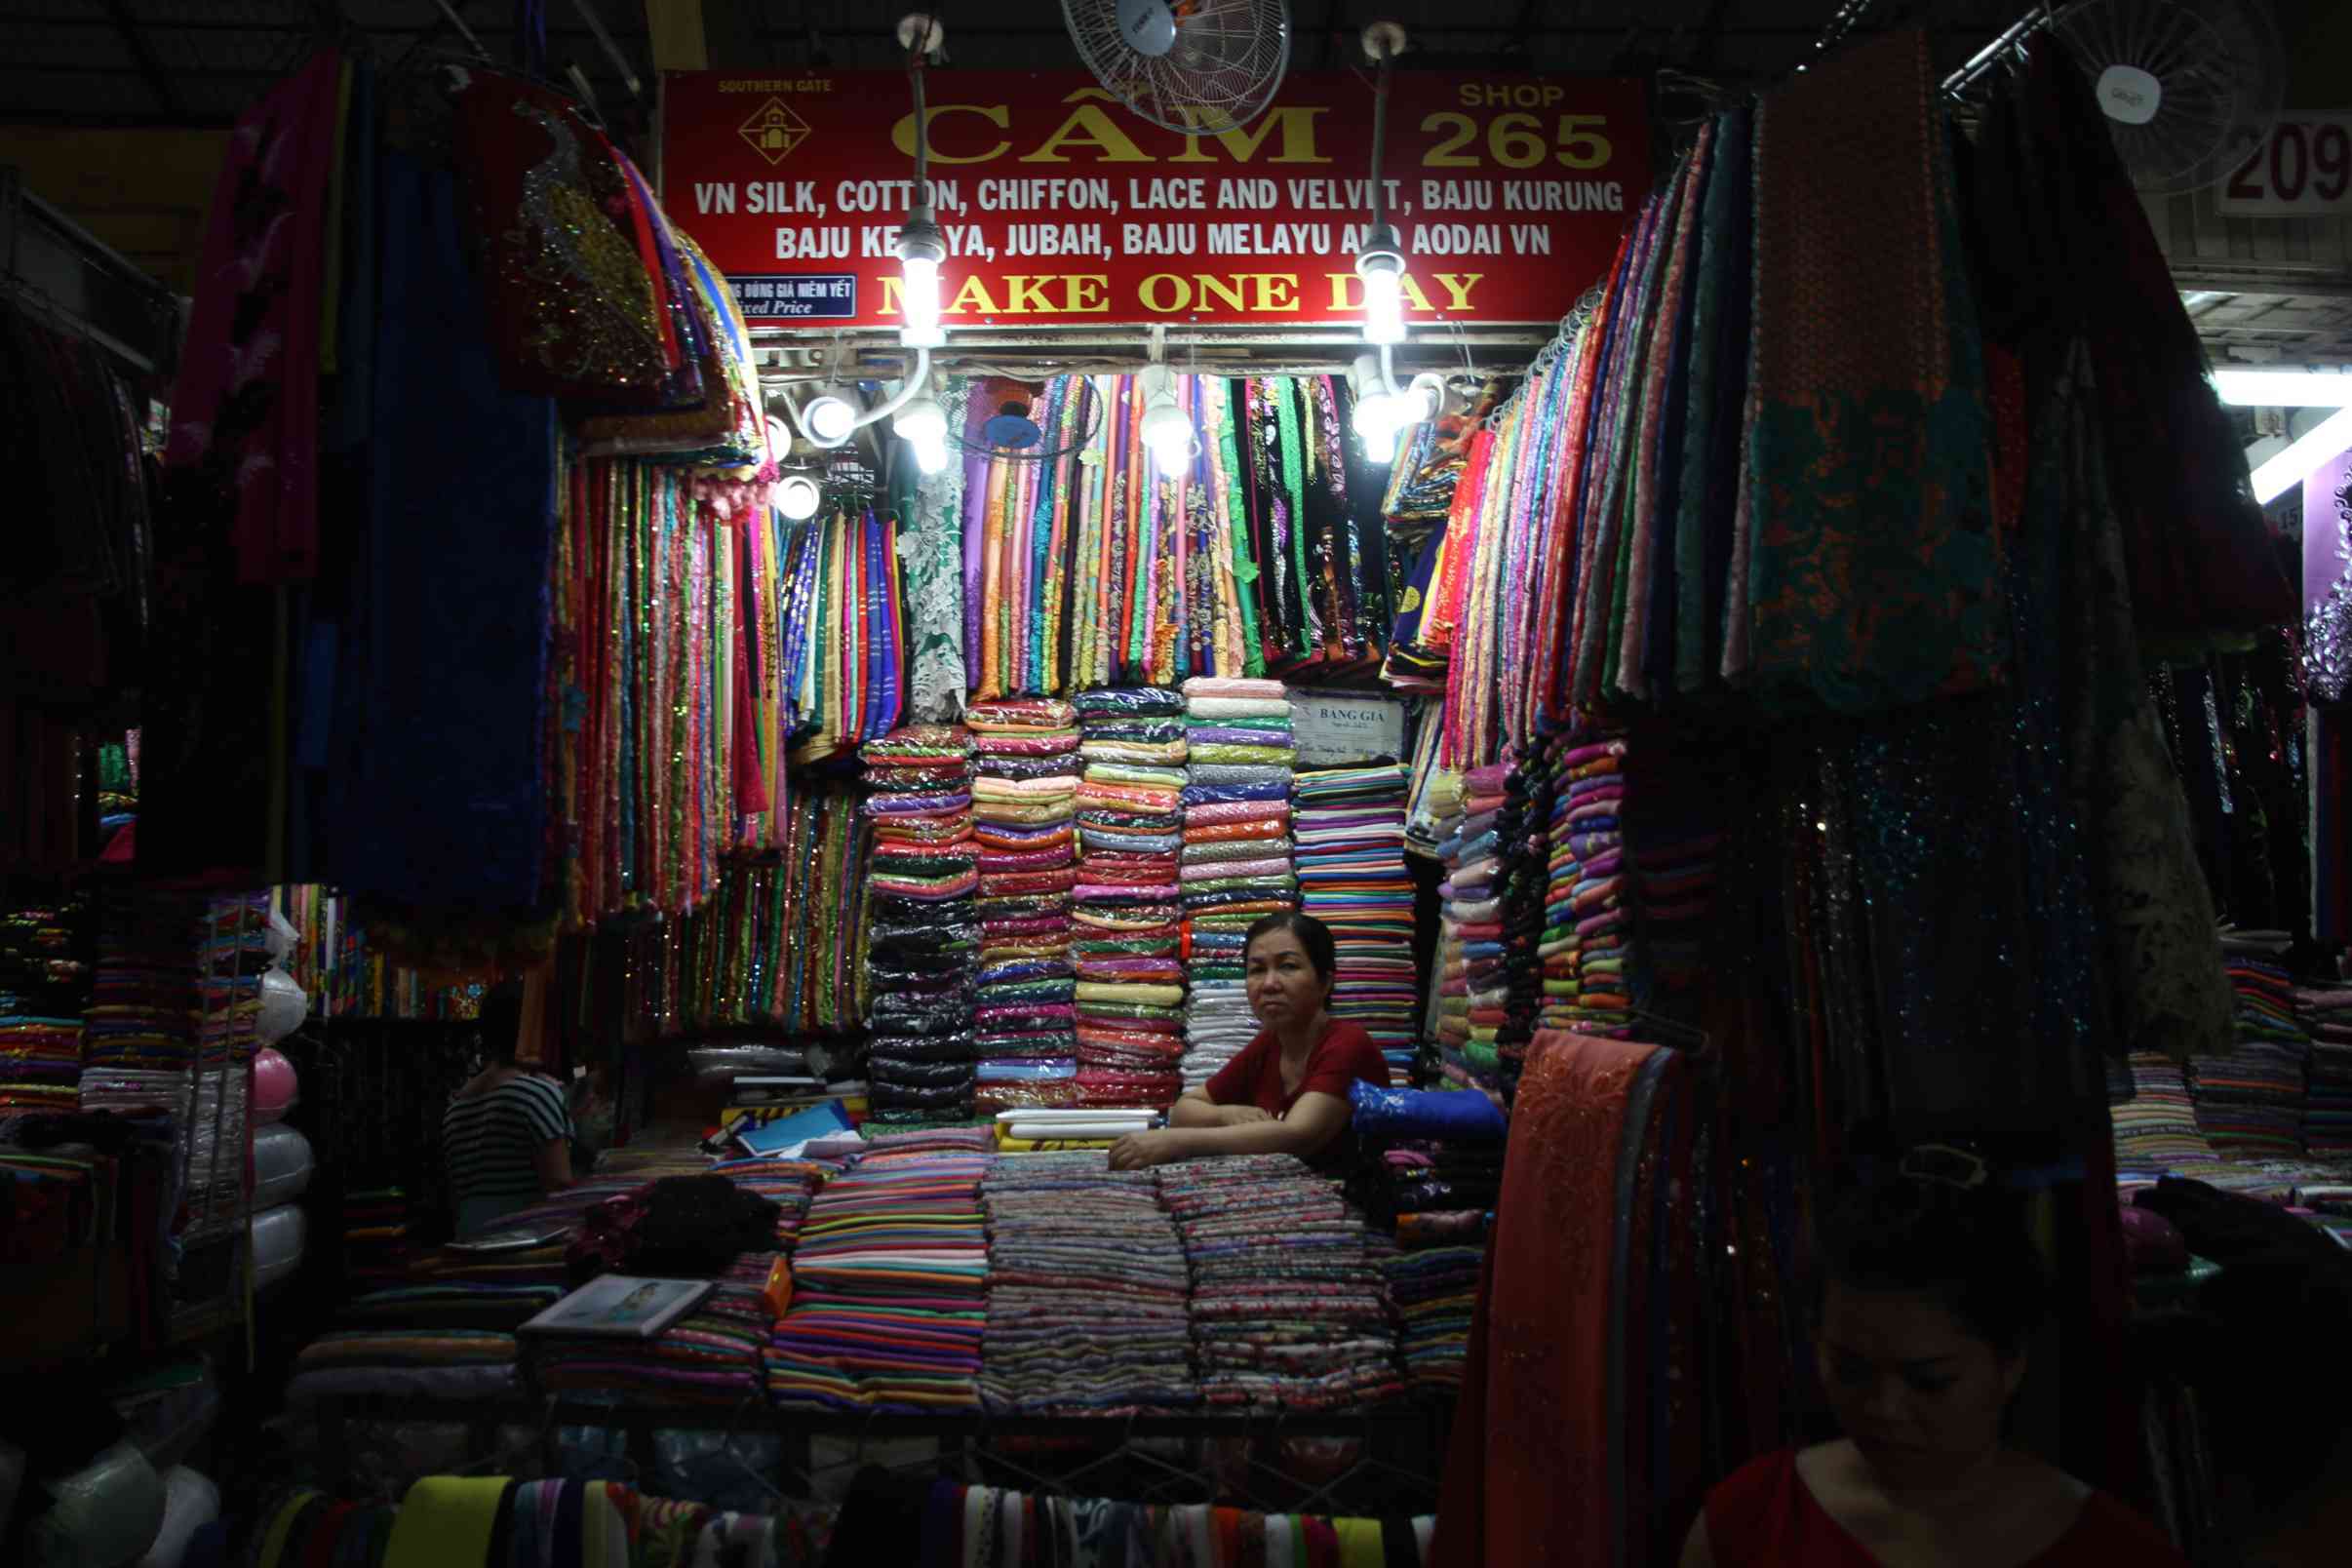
(554, 1163)
(1312, 1124)
(1198, 1109)
(1698, 1552)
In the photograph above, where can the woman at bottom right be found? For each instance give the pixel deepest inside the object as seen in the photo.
(1929, 1295)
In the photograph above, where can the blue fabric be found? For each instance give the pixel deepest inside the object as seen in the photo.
(1417, 1114)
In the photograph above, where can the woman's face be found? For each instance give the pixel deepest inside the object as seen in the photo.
(1283, 986)
(1919, 1392)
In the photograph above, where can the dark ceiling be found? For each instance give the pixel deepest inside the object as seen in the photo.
(196, 63)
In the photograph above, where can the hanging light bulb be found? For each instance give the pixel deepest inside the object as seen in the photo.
(1383, 272)
(827, 419)
(931, 454)
(921, 421)
(1168, 430)
(920, 249)
(798, 497)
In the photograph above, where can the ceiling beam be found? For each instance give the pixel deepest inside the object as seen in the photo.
(142, 56)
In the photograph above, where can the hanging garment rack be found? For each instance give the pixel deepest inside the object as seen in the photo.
(2039, 19)
(61, 270)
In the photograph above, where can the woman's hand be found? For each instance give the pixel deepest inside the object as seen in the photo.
(1241, 1116)
(1138, 1149)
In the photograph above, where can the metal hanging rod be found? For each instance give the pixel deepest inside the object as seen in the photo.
(2038, 19)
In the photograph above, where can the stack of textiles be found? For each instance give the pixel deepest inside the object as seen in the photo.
(2156, 1130)
(2325, 1014)
(453, 1303)
(1473, 988)
(1350, 827)
(776, 943)
(1024, 809)
(1287, 1305)
(1236, 860)
(2250, 1099)
(375, 1237)
(1585, 909)
(1523, 876)
(789, 1184)
(1130, 975)
(1428, 1169)
(957, 1524)
(1086, 1290)
(889, 1282)
(922, 933)
(140, 1033)
(493, 1521)
(48, 954)
(428, 1363)
(710, 1357)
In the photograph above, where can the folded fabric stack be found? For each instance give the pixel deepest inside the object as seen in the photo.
(1350, 827)
(376, 1235)
(139, 1032)
(47, 971)
(709, 1357)
(1288, 1306)
(1130, 975)
(2156, 1130)
(1522, 879)
(1473, 986)
(1585, 916)
(1086, 1290)
(1238, 858)
(1429, 1170)
(1445, 1018)
(447, 1364)
(1025, 788)
(2250, 1100)
(449, 1304)
(923, 935)
(889, 1281)
(2325, 1014)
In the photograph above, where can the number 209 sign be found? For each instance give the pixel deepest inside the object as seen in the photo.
(1060, 208)
(2302, 169)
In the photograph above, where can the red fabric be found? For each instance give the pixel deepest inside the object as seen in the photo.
(1343, 1055)
(1765, 1516)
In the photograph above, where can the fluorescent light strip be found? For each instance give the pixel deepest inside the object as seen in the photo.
(2284, 389)
(2290, 468)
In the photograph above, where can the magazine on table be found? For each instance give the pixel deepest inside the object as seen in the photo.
(621, 1307)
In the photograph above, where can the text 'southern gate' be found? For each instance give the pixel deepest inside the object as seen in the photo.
(1060, 208)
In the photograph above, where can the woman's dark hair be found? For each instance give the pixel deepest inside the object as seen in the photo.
(1968, 1249)
(501, 1021)
(1313, 934)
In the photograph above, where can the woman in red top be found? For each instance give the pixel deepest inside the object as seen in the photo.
(1929, 1294)
(1286, 1093)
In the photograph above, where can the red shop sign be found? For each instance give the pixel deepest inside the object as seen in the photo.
(1060, 208)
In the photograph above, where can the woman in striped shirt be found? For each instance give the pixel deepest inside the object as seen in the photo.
(506, 1137)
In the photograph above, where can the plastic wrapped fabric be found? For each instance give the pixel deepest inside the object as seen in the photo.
(942, 777)
(1202, 687)
(1145, 822)
(1023, 971)
(947, 827)
(1127, 702)
(1424, 1113)
(1226, 775)
(1143, 775)
(903, 968)
(1026, 1042)
(1250, 833)
(102, 1516)
(1025, 1072)
(1021, 906)
(1025, 814)
(1208, 707)
(1141, 843)
(997, 764)
(1230, 735)
(1128, 967)
(998, 862)
(1026, 992)
(787, 1060)
(1147, 752)
(948, 1101)
(957, 1047)
(904, 1072)
(1024, 791)
(1243, 901)
(920, 860)
(1213, 851)
(1020, 713)
(885, 806)
(916, 744)
(926, 889)
(939, 1018)
(1127, 918)
(1026, 743)
(1028, 883)
(1219, 754)
(1022, 1016)
(1131, 732)
(1202, 792)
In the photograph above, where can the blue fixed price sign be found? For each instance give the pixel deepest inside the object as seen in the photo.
(802, 295)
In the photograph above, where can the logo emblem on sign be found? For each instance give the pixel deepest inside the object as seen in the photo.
(773, 130)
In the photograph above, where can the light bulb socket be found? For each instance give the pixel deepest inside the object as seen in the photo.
(829, 419)
(1380, 251)
(919, 239)
(798, 497)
